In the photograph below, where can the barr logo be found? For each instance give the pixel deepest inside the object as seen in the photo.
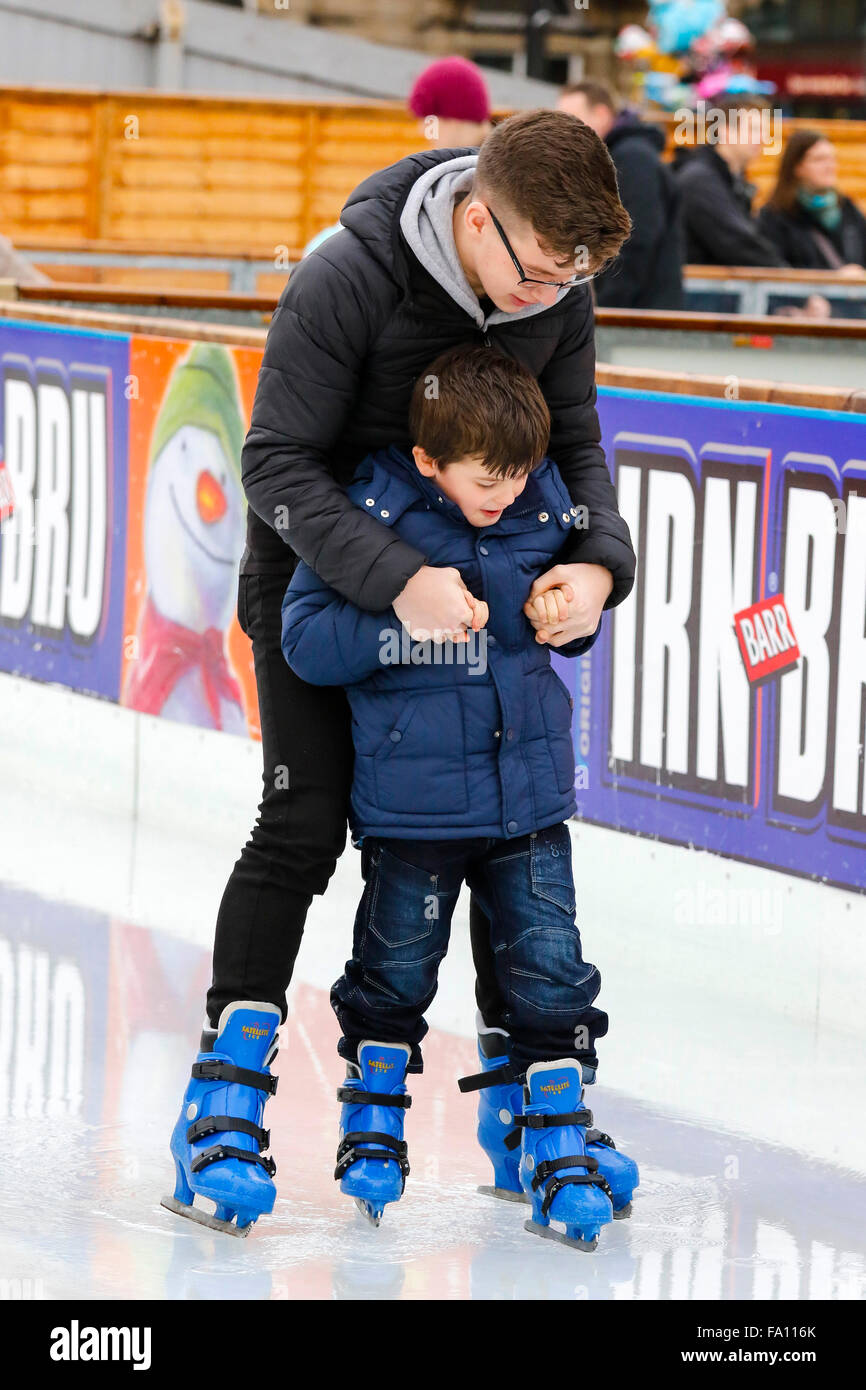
(379, 1065)
(555, 1086)
(252, 1030)
(766, 638)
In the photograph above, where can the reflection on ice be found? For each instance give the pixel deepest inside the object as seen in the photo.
(98, 1026)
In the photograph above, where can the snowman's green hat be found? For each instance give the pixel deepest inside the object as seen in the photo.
(203, 391)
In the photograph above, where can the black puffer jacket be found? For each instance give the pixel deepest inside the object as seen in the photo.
(648, 273)
(717, 214)
(359, 321)
(794, 236)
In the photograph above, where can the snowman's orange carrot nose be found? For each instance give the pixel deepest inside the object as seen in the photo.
(210, 498)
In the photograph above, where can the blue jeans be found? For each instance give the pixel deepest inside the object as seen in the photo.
(526, 888)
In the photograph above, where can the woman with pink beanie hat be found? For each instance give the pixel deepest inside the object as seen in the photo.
(450, 98)
(451, 101)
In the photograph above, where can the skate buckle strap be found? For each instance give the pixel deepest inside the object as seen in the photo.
(214, 1124)
(572, 1117)
(500, 1076)
(350, 1096)
(218, 1070)
(512, 1139)
(597, 1136)
(547, 1172)
(221, 1151)
(396, 1150)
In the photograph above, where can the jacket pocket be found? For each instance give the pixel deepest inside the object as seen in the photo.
(556, 709)
(420, 765)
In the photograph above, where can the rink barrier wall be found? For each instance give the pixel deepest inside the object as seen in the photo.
(183, 170)
(803, 350)
(731, 501)
(122, 266)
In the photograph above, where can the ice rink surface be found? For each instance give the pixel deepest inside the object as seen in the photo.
(746, 1121)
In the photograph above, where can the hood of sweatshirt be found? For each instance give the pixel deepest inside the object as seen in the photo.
(410, 206)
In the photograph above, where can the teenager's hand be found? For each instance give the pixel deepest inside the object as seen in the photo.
(436, 604)
(580, 590)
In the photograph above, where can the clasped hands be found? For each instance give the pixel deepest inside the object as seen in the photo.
(564, 604)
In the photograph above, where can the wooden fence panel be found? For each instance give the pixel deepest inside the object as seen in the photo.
(203, 173)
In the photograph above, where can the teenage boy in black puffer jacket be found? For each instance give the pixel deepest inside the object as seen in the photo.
(442, 248)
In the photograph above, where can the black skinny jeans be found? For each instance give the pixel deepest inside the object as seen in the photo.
(300, 832)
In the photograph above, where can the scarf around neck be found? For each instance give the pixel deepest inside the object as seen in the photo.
(824, 207)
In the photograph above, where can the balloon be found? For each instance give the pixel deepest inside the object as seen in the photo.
(677, 23)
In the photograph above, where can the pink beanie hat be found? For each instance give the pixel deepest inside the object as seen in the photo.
(452, 88)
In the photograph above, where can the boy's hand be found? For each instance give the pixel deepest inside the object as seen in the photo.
(480, 612)
(567, 601)
(436, 605)
(549, 610)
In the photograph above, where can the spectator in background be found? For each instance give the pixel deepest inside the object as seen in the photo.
(810, 223)
(648, 271)
(716, 198)
(451, 101)
(14, 266)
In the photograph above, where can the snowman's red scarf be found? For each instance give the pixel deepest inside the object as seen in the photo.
(168, 651)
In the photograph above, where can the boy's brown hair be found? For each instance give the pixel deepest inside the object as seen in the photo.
(551, 170)
(475, 402)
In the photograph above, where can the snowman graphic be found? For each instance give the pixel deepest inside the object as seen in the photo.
(193, 540)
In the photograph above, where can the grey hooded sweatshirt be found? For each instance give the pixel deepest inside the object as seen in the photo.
(427, 223)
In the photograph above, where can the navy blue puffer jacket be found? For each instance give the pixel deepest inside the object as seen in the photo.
(450, 741)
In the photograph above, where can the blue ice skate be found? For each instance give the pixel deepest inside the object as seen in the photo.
(618, 1170)
(498, 1103)
(571, 1201)
(226, 1098)
(500, 1099)
(372, 1163)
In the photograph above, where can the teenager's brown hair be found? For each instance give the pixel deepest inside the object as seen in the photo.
(474, 401)
(800, 142)
(551, 170)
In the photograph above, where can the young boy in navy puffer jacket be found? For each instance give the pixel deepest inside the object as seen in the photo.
(464, 772)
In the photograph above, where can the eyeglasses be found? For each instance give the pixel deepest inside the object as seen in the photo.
(526, 279)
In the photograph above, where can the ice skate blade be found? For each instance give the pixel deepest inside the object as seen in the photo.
(504, 1193)
(624, 1213)
(369, 1213)
(547, 1233)
(204, 1218)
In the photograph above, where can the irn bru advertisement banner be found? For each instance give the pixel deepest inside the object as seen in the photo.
(63, 480)
(723, 707)
(123, 519)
